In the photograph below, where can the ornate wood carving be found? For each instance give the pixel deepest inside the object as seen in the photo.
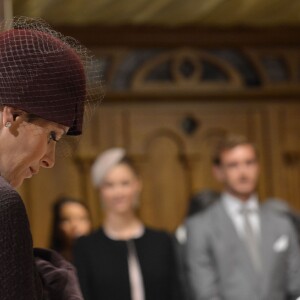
(193, 79)
(151, 92)
(194, 71)
(277, 68)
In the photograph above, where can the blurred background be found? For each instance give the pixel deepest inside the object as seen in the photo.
(179, 75)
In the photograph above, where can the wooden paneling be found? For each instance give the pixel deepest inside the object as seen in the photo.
(171, 95)
(178, 164)
(172, 162)
(285, 152)
(157, 36)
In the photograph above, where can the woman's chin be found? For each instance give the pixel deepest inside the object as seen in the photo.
(122, 210)
(16, 182)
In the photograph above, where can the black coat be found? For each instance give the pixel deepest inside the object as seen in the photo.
(103, 269)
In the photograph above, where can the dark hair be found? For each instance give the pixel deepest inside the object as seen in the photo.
(56, 241)
(202, 200)
(129, 162)
(227, 143)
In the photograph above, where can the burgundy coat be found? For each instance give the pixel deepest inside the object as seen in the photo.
(19, 279)
(26, 274)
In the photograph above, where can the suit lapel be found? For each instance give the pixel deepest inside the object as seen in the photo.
(268, 236)
(231, 236)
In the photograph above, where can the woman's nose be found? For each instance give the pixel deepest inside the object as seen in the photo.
(48, 160)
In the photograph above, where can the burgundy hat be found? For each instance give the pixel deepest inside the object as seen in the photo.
(42, 75)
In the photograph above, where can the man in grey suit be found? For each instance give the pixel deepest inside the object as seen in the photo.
(237, 250)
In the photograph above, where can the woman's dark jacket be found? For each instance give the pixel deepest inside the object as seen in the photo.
(103, 268)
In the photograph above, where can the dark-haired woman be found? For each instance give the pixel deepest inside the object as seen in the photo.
(71, 220)
(124, 260)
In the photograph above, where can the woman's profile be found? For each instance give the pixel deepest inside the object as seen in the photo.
(43, 91)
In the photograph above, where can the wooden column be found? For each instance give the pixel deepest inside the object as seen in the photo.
(6, 10)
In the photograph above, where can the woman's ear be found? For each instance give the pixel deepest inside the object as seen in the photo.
(7, 115)
(10, 119)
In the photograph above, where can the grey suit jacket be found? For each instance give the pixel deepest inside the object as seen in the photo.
(219, 266)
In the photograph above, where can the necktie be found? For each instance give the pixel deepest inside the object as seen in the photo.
(251, 239)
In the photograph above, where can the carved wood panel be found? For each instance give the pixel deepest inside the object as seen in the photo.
(171, 145)
(176, 163)
(285, 147)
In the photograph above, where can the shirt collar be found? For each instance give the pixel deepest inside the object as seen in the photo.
(234, 205)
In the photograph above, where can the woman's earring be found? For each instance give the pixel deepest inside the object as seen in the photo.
(8, 124)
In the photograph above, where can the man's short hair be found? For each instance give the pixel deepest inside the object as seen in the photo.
(229, 142)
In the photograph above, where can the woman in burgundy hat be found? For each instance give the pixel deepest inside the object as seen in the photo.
(42, 96)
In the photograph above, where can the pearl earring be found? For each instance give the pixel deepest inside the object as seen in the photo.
(8, 124)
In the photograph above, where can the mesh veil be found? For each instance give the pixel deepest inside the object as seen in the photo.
(48, 75)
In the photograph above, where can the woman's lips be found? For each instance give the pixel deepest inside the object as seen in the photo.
(29, 174)
(32, 172)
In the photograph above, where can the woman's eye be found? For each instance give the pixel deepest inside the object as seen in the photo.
(52, 136)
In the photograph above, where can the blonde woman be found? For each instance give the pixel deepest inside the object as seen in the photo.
(124, 259)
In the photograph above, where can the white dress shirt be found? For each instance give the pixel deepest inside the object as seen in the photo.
(233, 207)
